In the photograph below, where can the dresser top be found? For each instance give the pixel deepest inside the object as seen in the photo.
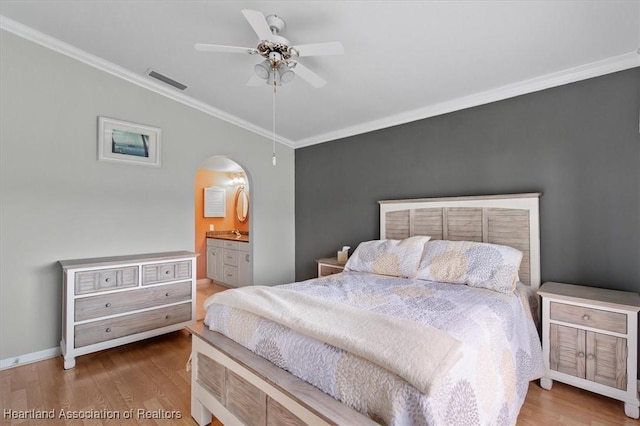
(114, 260)
(594, 295)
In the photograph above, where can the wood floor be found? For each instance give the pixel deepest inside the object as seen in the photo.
(148, 379)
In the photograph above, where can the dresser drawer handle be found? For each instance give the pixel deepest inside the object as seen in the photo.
(167, 294)
(108, 305)
(590, 356)
(167, 316)
(580, 354)
(108, 330)
(106, 280)
(585, 317)
(167, 272)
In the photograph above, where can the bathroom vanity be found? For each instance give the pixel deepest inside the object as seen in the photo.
(228, 259)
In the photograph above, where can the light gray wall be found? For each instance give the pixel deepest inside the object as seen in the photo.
(59, 202)
(577, 144)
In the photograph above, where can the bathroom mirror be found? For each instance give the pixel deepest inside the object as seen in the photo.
(242, 204)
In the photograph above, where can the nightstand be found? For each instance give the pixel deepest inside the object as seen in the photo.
(329, 266)
(590, 340)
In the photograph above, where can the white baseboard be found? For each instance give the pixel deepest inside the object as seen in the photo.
(17, 361)
(203, 282)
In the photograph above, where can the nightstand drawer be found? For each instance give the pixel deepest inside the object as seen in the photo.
(589, 317)
(329, 270)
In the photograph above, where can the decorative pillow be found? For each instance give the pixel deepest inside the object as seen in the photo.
(490, 266)
(398, 258)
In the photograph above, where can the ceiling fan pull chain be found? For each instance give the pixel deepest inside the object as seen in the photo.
(274, 122)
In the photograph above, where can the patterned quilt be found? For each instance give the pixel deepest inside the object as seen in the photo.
(501, 349)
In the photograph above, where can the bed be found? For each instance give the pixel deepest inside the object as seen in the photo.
(350, 348)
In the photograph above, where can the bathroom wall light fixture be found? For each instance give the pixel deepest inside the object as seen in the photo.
(236, 179)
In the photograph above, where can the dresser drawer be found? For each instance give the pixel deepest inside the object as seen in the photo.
(113, 328)
(231, 257)
(131, 300)
(231, 244)
(162, 272)
(589, 317)
(105, 279)
(230, 275)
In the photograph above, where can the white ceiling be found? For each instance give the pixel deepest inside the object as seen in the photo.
(403, 61)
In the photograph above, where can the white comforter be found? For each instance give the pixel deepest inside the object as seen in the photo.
(500, 349)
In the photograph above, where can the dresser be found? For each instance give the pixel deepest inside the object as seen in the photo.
(329, 266)
(590, 340)
(111, 301)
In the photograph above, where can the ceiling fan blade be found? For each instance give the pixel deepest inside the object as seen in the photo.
(255, 81)
(318, 49)
(224, 49)
(259, 23)
(306, 74)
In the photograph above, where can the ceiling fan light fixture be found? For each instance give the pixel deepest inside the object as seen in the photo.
(263, 69)
(285, 74)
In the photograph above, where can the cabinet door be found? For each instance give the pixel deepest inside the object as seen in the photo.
(567, 350)
(607, 360)
(214, 263)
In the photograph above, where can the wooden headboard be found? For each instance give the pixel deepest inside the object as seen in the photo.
(511, 220)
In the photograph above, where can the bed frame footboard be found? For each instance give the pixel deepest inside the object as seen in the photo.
(239, 387)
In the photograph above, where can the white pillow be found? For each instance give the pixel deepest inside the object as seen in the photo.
(398, 258)
(490, 266)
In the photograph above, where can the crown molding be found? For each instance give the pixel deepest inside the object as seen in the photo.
(571, 75)
(583, 72)
(66, 49)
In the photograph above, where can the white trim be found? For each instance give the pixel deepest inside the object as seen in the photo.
(571, 75)
(203, 282)
(583, 72)
(29, 358)
(59, 46)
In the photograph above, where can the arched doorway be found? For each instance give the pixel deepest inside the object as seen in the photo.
(223, 223)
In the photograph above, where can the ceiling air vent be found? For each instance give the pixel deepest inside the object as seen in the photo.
(166, 80)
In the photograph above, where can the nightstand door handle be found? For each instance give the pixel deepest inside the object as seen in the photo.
(585, 317)
(590, 356)
(580, 354)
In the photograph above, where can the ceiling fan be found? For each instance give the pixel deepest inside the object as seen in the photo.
(278, 66)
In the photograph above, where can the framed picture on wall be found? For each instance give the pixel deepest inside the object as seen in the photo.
(124, 142)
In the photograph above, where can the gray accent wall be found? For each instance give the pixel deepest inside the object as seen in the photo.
(578, 144)
(59, 202)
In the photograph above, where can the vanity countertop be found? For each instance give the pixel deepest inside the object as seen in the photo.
(228, 235)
